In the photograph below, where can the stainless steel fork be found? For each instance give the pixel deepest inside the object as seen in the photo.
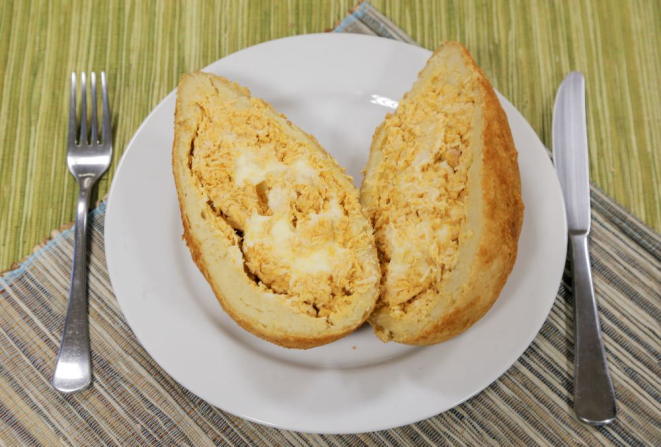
(88, 158)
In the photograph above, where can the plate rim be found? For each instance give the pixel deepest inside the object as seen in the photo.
(374, 426)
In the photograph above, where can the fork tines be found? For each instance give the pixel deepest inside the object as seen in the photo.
(84, 138)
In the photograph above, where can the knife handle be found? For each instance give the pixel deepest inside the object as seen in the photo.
(594, 397)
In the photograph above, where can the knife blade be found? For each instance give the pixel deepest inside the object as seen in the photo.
(570, 151)
(594, 397)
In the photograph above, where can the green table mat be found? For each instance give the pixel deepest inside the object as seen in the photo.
(134, 402)
(525, 47)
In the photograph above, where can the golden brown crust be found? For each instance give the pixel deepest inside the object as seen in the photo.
(291, 342)
(503, 217)
(231, 285)
(502, 214)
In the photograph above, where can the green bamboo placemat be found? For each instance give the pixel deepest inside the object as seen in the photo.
(134, 402)
(525, 47)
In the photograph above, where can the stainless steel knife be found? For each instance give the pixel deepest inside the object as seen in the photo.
(594, 397)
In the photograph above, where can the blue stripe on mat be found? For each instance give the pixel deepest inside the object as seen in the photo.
(353, 17)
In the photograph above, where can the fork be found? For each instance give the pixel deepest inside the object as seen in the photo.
(87, 159)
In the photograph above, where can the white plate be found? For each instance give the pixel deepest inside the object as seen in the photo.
(337, 87)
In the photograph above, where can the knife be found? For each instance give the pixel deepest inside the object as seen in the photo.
(594, 397)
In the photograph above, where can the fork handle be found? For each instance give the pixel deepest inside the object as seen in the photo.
(73, 369)
(594, 398)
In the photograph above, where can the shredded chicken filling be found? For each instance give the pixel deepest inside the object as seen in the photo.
(291, 216)
(420, 209)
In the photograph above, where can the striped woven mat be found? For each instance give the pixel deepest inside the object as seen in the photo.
(133, 401)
